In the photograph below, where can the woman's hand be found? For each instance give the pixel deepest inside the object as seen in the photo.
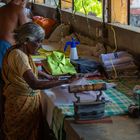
(49, 77)
(73, 78)
(46, 76)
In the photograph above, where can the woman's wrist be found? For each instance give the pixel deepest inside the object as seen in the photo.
(64, 81)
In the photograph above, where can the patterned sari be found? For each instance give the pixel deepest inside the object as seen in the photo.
(22, 104)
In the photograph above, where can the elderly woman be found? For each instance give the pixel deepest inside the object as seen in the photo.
(22, 97)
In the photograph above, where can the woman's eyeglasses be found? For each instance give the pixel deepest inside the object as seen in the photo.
(38, 41)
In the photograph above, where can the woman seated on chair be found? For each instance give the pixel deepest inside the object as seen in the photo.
(23, 114)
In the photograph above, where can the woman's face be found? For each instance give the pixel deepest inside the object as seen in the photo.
(33, 47)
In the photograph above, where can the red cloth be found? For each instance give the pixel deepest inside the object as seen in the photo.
(46, 23)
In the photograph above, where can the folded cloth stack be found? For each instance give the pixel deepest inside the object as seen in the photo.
(121, 61)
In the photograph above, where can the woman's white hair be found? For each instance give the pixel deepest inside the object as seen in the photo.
(29, 32)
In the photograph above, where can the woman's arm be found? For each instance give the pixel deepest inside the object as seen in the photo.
(43, 75)
(35, 83)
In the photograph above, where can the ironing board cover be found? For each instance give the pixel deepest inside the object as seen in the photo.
(118, 104)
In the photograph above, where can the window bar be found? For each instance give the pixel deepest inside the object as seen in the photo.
(104, 30)
(103, 11)
(128, 12)
(59, 4)
(72, 5)
(108, 11)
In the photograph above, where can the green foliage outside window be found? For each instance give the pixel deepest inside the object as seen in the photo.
(88, 6)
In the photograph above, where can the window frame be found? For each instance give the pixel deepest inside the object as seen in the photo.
(106, 9)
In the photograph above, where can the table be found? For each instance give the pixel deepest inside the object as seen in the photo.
(121, 128)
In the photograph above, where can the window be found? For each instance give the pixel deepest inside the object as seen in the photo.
(39, 1)
(66, 4)
(89, 7)
(119, 12)
(134, 19)
(125, 12)
(54, 3)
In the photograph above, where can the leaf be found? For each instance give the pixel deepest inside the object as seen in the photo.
(94, 6)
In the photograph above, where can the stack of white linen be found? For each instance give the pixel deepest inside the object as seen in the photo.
(120, 61)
